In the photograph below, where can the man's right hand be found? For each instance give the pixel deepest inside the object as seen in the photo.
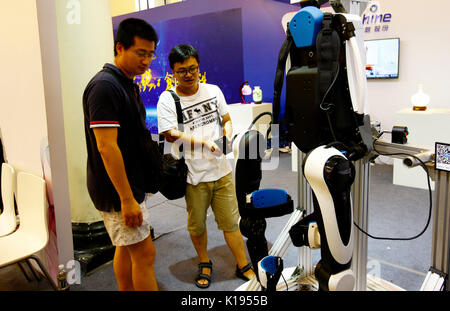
(213, 148)
(131, 212)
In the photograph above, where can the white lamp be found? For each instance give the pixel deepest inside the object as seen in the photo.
(420, 100)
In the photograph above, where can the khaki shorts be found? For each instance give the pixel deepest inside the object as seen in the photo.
(122, 235)
(221, 195)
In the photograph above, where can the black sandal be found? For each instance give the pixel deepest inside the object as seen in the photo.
(202, 276)
(240, 272)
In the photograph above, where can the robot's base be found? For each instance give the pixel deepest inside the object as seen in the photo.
(309, 283)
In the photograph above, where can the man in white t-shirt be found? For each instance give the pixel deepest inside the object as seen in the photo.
(210, 182)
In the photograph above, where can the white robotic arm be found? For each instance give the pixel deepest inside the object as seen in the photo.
(331, 175)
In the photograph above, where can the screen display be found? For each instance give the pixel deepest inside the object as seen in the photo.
(382, 58)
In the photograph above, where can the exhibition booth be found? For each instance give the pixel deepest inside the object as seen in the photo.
(62, 44)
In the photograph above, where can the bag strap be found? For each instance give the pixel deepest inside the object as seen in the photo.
(179, 119)
(279, 75)
(179, 112)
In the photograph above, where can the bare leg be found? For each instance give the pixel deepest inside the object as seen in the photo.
(200, 244)
(122, 269)
(236, 244)
(142, 256)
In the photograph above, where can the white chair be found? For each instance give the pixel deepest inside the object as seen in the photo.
(8, 221)
(32, 235)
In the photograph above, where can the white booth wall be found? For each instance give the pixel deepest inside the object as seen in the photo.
(85, 44)
(22, 106)
(49, 51)
(424, 49)
(23, 115)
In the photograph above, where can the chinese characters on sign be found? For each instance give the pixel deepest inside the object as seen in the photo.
(377, 28)
(147, 83)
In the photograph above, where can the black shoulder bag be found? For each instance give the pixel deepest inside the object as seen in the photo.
(151, 158)
(174, 171)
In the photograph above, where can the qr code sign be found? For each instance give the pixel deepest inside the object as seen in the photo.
(442, 156)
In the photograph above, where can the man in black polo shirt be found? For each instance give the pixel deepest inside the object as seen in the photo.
(114, 175)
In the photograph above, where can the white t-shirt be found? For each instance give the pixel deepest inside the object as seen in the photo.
(201, 118)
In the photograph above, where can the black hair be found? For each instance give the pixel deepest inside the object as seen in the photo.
(131, 27)
(182, 52)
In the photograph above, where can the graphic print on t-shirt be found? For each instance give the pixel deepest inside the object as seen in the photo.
(201, 114)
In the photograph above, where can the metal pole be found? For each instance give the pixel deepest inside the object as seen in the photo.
(440, 250)
(305, 201)
(441, 224)
(360, 199)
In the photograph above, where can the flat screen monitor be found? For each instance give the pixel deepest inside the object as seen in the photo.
(382, 58)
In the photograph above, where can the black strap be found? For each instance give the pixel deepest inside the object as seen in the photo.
(179, 120)
(279, 75)
(328, 48)
(179, 112)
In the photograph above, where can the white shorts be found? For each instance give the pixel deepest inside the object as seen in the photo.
(122, 235)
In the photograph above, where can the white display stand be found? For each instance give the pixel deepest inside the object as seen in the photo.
(425, 128)
(309, 283)
(242, 116)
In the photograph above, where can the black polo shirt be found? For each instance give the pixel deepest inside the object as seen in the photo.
(107, 104)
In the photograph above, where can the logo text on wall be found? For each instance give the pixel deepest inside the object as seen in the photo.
(74, 14)
(374, 20)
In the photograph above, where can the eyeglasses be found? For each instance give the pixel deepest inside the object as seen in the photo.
(151, 55)
(184, 72)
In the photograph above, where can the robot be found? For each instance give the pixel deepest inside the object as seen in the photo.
(327, 119)
(250, 150)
